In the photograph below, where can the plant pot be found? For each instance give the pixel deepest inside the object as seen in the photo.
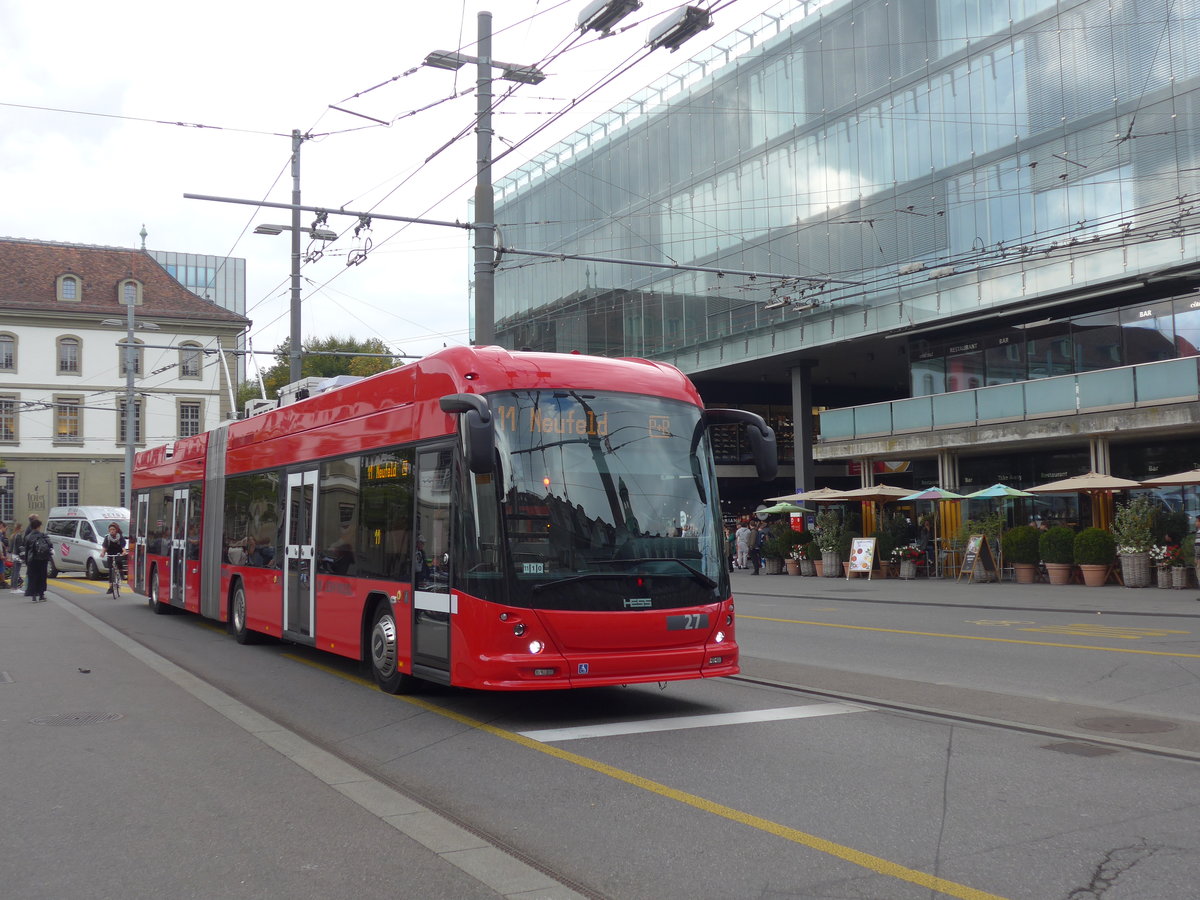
(772, 566)
(1059, 573)
(818, 567)
(808, 567)
(1135, 569)
(792, 566)
(1026, 572)
(1094, 576)
(908, 569)
(1179, 577)
(1163, 577)
(832, 561)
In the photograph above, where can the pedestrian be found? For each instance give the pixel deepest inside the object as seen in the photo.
(16, 543)
(5, 562)
(731, 547)
(38, 551)
(1196, 548)
(758, 540)
(742, 537)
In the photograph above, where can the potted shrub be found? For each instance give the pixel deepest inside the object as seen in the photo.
(777, 547)
(828, 538)
(1057, 546)
(802, 551)
(1020, 549)
(1095, 552)
(1133, 529)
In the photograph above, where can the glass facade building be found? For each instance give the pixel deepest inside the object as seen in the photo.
(902, 198)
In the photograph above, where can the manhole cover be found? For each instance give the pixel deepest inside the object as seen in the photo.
(1126, 725)
(1078, 749)
(77, 719)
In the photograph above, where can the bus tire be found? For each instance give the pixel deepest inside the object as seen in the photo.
(383, 653)
(237, 616)
(159, 608)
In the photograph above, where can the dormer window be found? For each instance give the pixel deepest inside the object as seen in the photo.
(129, 292)
(70, 288)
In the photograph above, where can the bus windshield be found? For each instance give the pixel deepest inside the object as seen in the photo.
(608, 501)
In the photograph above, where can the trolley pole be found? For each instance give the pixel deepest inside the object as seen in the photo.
(294, 350)
(485, 210)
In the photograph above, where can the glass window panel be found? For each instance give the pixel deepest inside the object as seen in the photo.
(1097, 342)
(928, 376)
(964, 371)
(1187, 327)
(1148, 333)
(1048, 352)
(1006, 363)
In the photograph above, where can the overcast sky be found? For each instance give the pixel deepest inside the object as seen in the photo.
(88, 153)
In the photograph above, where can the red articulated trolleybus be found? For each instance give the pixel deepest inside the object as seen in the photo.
(480, 518)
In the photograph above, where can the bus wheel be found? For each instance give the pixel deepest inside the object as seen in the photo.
(237, 617)
(160, 608)
(384, 654)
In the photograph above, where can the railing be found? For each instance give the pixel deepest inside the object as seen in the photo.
(1128, 387)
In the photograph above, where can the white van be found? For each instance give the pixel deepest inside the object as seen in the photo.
(77, 532)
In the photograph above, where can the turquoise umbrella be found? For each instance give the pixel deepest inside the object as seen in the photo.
(997, 491)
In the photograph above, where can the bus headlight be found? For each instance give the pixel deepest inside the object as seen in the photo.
(536, 646)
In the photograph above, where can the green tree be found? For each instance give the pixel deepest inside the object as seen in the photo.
(321, 366)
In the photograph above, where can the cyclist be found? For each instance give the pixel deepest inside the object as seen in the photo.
(114, 550)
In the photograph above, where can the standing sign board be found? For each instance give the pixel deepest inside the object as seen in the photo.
(978, 554)
(862, 556)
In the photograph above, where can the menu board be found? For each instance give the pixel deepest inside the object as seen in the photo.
(978, 553)
(862, 556)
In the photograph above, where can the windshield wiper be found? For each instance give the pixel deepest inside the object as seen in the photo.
(693, 572)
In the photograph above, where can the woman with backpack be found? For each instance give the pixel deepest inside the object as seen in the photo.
(38, 551)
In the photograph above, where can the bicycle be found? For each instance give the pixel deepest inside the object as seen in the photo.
(114, 574)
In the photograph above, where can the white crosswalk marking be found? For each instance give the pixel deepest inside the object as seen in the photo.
(550, 735)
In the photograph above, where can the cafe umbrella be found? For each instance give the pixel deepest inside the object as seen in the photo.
(1098, 485)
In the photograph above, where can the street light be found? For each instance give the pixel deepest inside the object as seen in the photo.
(485, 206)
(130, 408)
(320, 234)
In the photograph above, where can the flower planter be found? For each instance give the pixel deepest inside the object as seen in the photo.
(1135, 569)
(818, 567)
(1163, 577)
(832, 561)
(1179, 577)
(1026, 573)
(772, 566)
(808, 567)
(792, 566)
(1059, 573)
(908, 569)
(1094, 576)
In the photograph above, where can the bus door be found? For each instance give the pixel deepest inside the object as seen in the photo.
(179, 542)
(433, 603)
(299, 553)
(140, 532)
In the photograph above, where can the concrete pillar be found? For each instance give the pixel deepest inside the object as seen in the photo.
(948, 470)
(1101, 461)
(802, 426)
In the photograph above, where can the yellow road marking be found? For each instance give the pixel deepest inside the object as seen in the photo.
(1114, 631)
(77, 587)
(849, 854)
(975, 637)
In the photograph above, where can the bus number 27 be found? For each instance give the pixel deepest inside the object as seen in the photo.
(687, 622)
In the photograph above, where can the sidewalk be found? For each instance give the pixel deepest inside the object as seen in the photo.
(1110, 599)
(125, 776)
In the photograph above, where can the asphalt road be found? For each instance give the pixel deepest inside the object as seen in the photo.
(947, 739)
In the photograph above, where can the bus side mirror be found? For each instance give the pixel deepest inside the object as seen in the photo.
(478, 429)
(760, 435)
